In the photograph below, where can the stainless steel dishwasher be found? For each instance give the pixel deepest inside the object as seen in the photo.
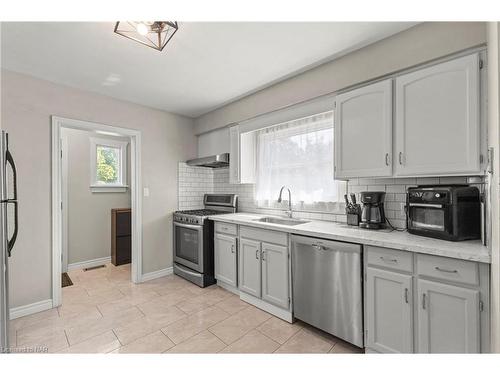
(327, 286)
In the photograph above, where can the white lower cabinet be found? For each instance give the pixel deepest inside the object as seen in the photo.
(425, 304)
(275, 274)
(249, 275)
(264, 267)
(226, 259)
(448, 318)
(389, 311)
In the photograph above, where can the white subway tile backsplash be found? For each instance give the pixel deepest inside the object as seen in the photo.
(376, 188)
(427, 180)
(395, 188)
(452, 180)
(194, 182)
(405, 181)
(396, 206)
(398, 197)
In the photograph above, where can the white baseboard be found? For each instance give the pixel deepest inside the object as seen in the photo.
(156, 274)
(271, 309)
(32, 308)
(89, 263)
(228, 287)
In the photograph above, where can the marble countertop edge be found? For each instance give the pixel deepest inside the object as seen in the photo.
(465, 250)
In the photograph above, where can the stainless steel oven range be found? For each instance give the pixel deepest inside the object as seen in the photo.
(194, 238)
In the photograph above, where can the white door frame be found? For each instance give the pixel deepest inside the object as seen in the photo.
(135, 192)
(64, 200)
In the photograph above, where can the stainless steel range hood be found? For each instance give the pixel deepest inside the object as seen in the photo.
(215, 161)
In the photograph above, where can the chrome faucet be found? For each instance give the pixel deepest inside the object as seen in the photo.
(289, 212)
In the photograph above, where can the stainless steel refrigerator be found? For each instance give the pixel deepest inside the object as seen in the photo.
(8, 232)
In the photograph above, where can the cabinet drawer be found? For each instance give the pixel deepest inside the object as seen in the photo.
(226, 228)
(263, 235)
(460, 271)
(389, 258)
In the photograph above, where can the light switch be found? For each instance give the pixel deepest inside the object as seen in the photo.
(146, 192)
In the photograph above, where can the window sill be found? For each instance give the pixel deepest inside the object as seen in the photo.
(108, 188)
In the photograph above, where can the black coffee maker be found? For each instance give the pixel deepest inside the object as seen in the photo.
(372, 213)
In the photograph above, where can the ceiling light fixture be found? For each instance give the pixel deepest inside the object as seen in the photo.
(154, 34)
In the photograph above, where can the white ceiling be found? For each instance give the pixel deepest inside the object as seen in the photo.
(204, 66)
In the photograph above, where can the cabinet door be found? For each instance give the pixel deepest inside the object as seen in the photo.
(448, 318)
(363, 132)
(225, 259)
(275, 274)
(389, 311)
(234, 154)
(437, 126)
(249, 267)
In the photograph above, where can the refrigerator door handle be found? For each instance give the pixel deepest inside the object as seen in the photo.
(12, 240)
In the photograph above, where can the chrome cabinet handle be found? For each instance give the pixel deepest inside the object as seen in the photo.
(232, 249)
(423, 301)
(389, 260)
(257, 254)
(387, 159)
(406, 295)
(263, 253)
(448, 271)
(400, 158)
(317, 247)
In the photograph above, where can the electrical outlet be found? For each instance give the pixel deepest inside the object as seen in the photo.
(146, 192)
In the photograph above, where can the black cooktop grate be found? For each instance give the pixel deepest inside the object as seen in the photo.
(202, 212)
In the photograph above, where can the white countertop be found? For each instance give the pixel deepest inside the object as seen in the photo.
(467, 250)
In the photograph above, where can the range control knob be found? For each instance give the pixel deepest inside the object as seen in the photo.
(437, 195)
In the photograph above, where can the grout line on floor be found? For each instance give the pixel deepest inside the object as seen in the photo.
(114, 333)
(296, 333)
(117, 288)
(100, 312)
(67, 340)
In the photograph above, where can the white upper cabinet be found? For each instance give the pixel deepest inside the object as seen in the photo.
(363, 132)
(234, 154)
(242, 156)
(437, 124)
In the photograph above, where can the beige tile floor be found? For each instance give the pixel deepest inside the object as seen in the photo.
(103, 312)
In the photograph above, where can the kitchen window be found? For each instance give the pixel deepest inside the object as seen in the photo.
(108, 165)
(298, 154)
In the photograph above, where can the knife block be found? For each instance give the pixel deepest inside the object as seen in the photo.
(353, 219)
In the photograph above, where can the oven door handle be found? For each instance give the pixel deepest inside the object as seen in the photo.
(185, 270)
(189, 226)
(433, 205)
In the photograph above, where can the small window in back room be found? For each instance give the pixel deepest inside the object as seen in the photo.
(108, 165)
(299, 154)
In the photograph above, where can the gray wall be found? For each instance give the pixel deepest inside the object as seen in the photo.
(89, 214)
(27, 106)
(416, 45)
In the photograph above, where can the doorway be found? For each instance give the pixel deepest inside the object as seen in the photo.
(61, 127)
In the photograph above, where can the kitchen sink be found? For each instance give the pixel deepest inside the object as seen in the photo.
(281, 221)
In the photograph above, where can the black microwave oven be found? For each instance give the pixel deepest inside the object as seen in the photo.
(450, 212)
